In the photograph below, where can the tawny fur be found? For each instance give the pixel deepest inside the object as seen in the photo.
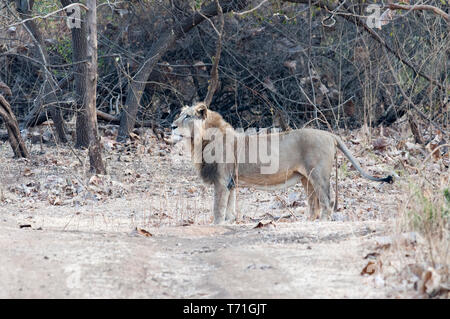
(305, 156)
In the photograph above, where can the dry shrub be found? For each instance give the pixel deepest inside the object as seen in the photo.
(427, 213)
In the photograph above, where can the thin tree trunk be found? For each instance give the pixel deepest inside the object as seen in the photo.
(90, 98)
(48, 97)
(79, 45)
(158, 49)
(418, 138)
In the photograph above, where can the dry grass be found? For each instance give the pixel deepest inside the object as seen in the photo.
(427, 212)
(418, 255)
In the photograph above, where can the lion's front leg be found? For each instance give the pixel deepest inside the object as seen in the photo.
(221, 195)
(231, 206)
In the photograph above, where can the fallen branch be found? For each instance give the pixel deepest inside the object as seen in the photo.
(102, 116)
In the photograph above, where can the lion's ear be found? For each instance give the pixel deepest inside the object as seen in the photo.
(202, 111)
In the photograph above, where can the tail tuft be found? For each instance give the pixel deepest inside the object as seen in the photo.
(388, 179)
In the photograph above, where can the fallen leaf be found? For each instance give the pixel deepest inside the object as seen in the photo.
(192, 190)
(372, 267)
(134, 136)
(430, 282)
(54, 200)
(143, 232)
(27, 172)
(188, 222)
(265, 223)
(95, 180)
(372, 255)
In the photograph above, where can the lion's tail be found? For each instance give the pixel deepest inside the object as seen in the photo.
(340, 145)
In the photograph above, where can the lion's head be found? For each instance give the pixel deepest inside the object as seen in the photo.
(189, 118)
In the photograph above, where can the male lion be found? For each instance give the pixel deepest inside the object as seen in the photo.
(304, 155)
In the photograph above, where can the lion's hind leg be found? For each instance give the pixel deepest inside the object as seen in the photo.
(321, 186)
(313, 201)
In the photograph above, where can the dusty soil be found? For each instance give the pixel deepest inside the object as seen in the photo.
(295, 260)
(144, 231)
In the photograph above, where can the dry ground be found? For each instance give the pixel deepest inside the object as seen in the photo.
(145, 231)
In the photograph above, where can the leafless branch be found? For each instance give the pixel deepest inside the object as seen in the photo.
(436, 10)
(250, 10)
(48, 15)
(214, 82)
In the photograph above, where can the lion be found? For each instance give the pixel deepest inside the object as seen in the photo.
(303, 155)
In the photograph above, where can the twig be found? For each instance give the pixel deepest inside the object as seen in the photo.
(429, 155)
(286, 204)
(251, 10)
(49, 14)
(419, 7)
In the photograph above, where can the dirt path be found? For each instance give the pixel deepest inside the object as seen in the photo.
(292, 260)
(81, 242)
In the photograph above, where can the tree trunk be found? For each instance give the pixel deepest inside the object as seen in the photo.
(90, 98)
(418, 138)
(158, 49)
(15, 139)
(79, 45)
(50, 84)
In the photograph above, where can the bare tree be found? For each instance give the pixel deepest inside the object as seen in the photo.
(79, 49)
(50, 85)
(159, 48)
(90, 98)
(153, 63)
